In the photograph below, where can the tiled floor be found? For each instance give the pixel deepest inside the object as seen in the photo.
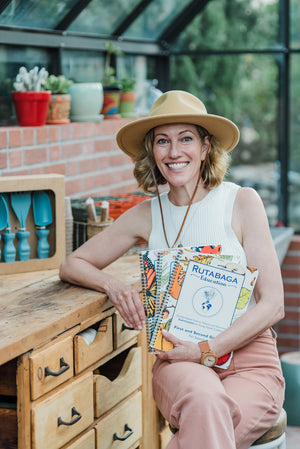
(293, 437)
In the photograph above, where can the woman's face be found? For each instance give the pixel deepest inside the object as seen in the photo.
(178, 152)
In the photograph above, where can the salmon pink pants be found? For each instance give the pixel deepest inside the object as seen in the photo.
(221, 409)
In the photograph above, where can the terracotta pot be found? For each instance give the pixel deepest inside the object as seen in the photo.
(127, 104)
(59, 109)
(31, 107)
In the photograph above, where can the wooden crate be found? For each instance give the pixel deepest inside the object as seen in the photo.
(54, 185)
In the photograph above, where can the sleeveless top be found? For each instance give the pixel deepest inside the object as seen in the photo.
(208, 222)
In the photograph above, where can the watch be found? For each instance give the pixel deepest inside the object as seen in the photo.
(208, 358)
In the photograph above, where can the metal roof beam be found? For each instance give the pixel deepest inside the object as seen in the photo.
(181, 21)
(72, 15)
(131, 17)
(4, 4)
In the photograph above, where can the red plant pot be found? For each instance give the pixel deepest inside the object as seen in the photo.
(31, 107)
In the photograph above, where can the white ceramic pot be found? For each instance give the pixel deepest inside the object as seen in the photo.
(86, 102)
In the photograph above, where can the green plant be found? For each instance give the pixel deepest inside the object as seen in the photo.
(127, 84)
(109, 77)
(34, 80)
(58, 84)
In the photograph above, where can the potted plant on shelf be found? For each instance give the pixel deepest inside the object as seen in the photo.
(60, 102)
(30, 100)
(111, 86)
(127, 97)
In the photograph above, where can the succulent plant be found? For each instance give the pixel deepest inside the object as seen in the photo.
(33, 80)
(58, 84)
(127, 84)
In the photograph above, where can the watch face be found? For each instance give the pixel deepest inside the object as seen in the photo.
(210, 360)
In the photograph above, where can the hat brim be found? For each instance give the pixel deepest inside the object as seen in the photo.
(131, 136)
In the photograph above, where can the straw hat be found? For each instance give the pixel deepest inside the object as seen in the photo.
(176, 106)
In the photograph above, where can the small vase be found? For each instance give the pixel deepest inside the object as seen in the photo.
(127, 104)
(86, 102)
(31, 107)
(59, 109)
(111, 102)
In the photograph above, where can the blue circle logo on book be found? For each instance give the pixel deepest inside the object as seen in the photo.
(207, 301)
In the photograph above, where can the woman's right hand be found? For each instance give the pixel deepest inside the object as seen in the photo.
(127, 301)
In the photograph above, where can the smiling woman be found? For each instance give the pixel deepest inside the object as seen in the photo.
(183, 146)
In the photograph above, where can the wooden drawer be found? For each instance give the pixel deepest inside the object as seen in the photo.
(63, 415)
(121, 428)
(121, 333)
(86, 441)
(51, 366)
(107, 392)
(87, 354)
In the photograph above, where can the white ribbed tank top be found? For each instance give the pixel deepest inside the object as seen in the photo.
(208, 222)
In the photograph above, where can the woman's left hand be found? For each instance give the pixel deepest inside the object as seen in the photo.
(182, 351)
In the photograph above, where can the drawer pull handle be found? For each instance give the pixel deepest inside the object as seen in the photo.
(125, 327)
(70, 423)
(126, 429)
(64, 367)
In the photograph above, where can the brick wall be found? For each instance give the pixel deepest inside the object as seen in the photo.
(86, 153)
(289, 327)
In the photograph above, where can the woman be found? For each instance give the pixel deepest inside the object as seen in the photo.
(181, 145)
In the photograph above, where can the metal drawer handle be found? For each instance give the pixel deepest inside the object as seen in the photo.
(126, 429)
(70, 423)
(125, 327)
(64, 365)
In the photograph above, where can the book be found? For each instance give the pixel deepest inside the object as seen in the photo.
(205, 295)
(156, 268)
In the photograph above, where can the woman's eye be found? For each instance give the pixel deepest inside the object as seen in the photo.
(161, 141)
(187, 139)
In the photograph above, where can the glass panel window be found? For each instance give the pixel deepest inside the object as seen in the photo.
(83, 66)
(242, 88)
(232, 24)
(294, 162)
(102, 17)
(156, 17)
(295, 20)
(35, 13)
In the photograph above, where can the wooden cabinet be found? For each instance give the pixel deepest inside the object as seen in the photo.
(72, 375)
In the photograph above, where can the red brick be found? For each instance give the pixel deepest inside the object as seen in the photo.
(3, 159)
(103, 145)
(54, 152)
(292, 315)
(41, 134)
(104, 162)
(60, 169)
(291, 260)
(54, 133)
(88, 147)
(289, 328)
(28, 136)
(35, 156)
(74, 187)
(128, 175)
(293, 301)
(291, 287)
(15, 158)
(37, 171)
(107, 127)
(3, 139)
(89, 183)
(71, 150)
(98, 129)
(77, 130)
(18, 172)
(66, 132)
(288, 342)
(295, 243)
(288, 273)
(88, 129)
(115, 160)
(72, 168)
(88, 165)
(15, 138)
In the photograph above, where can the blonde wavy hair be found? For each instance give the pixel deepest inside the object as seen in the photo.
(214, 171)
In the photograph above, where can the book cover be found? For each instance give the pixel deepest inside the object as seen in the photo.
(206, 294)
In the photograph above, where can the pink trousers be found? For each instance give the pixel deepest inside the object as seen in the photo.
(221, 409)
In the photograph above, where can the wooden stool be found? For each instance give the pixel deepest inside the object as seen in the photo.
(274, 438)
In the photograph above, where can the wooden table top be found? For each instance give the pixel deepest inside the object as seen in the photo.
(35, 307)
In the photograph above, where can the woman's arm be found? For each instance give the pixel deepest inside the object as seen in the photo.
(84, 266)
(251, 226)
